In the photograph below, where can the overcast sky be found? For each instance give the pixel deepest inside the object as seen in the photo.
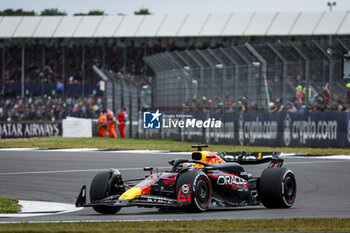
(113, 7)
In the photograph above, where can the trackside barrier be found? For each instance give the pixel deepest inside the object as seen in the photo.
(77, 127)
(280, 129)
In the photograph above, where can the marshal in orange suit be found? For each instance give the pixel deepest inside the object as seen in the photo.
(122, 117)
(111, 124)
(102, 124)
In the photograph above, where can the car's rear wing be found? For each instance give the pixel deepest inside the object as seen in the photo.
(245, 158)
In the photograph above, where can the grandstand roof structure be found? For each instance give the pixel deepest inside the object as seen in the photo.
(190, 25)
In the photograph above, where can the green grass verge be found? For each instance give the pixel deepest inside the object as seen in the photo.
(143, 144)
(9, 206)
(262, 225)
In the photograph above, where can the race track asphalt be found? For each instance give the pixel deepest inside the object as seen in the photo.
(323, 185)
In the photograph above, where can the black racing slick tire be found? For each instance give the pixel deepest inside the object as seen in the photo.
(99, 190)
(277, 188)
(200, 189)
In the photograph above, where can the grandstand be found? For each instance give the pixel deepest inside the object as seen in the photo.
(50, 55)
(177, 26)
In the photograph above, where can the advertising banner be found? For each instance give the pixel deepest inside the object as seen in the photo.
(28, 130)
(263, 129)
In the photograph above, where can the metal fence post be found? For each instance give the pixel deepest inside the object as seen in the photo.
(263, 74)
(186, 75)
(284, 74)
(3, 70)
(307, 71)
(113, 82)
(201, 71)
(105, 79)
(152, 96)
(138, 110)
(23, 71)
(212, 78)
(328, 54)
(223, 51)
(103, 54)
(224, 73)
(131, 83)
(43, 70)
(343, 44)
(83, 70)
(160, 67)
(122, 99)
(151, 62)
(249, 70)
(63, 69)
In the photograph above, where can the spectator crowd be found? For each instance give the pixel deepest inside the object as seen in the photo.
(47, 62)
(318, 102)
(57, 107)
(61, 62)
(49, 108)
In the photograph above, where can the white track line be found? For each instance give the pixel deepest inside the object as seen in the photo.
(83, 150)
(41, 208)
(345, 157)
(315, 162)
(49, 172)
(339, 160)
(70, 171)
(18, 149)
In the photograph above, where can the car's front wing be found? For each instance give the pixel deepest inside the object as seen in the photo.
(142, 200)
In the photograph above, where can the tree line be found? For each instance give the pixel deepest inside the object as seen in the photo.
(55, 11)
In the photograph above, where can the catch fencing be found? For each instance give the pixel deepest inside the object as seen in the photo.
(132, 92)
(248, 78)
(237, 86)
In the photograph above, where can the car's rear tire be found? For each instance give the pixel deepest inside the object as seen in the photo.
(200, 189)
(277, 188)
(99, 190)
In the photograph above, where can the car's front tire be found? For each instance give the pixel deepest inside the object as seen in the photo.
(99, 190)
(200, 189)
(277, 188)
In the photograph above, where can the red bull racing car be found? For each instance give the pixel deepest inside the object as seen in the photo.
(207, 180)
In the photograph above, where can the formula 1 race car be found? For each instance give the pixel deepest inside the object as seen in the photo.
(207, 180)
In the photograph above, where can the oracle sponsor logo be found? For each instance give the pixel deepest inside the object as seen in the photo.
(230, 180)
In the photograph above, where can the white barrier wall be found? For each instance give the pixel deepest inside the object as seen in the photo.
(77, 127)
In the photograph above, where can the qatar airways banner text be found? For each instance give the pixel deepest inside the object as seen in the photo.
(28, 130)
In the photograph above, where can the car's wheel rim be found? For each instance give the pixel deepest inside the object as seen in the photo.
(203, 192)
(289, 188)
